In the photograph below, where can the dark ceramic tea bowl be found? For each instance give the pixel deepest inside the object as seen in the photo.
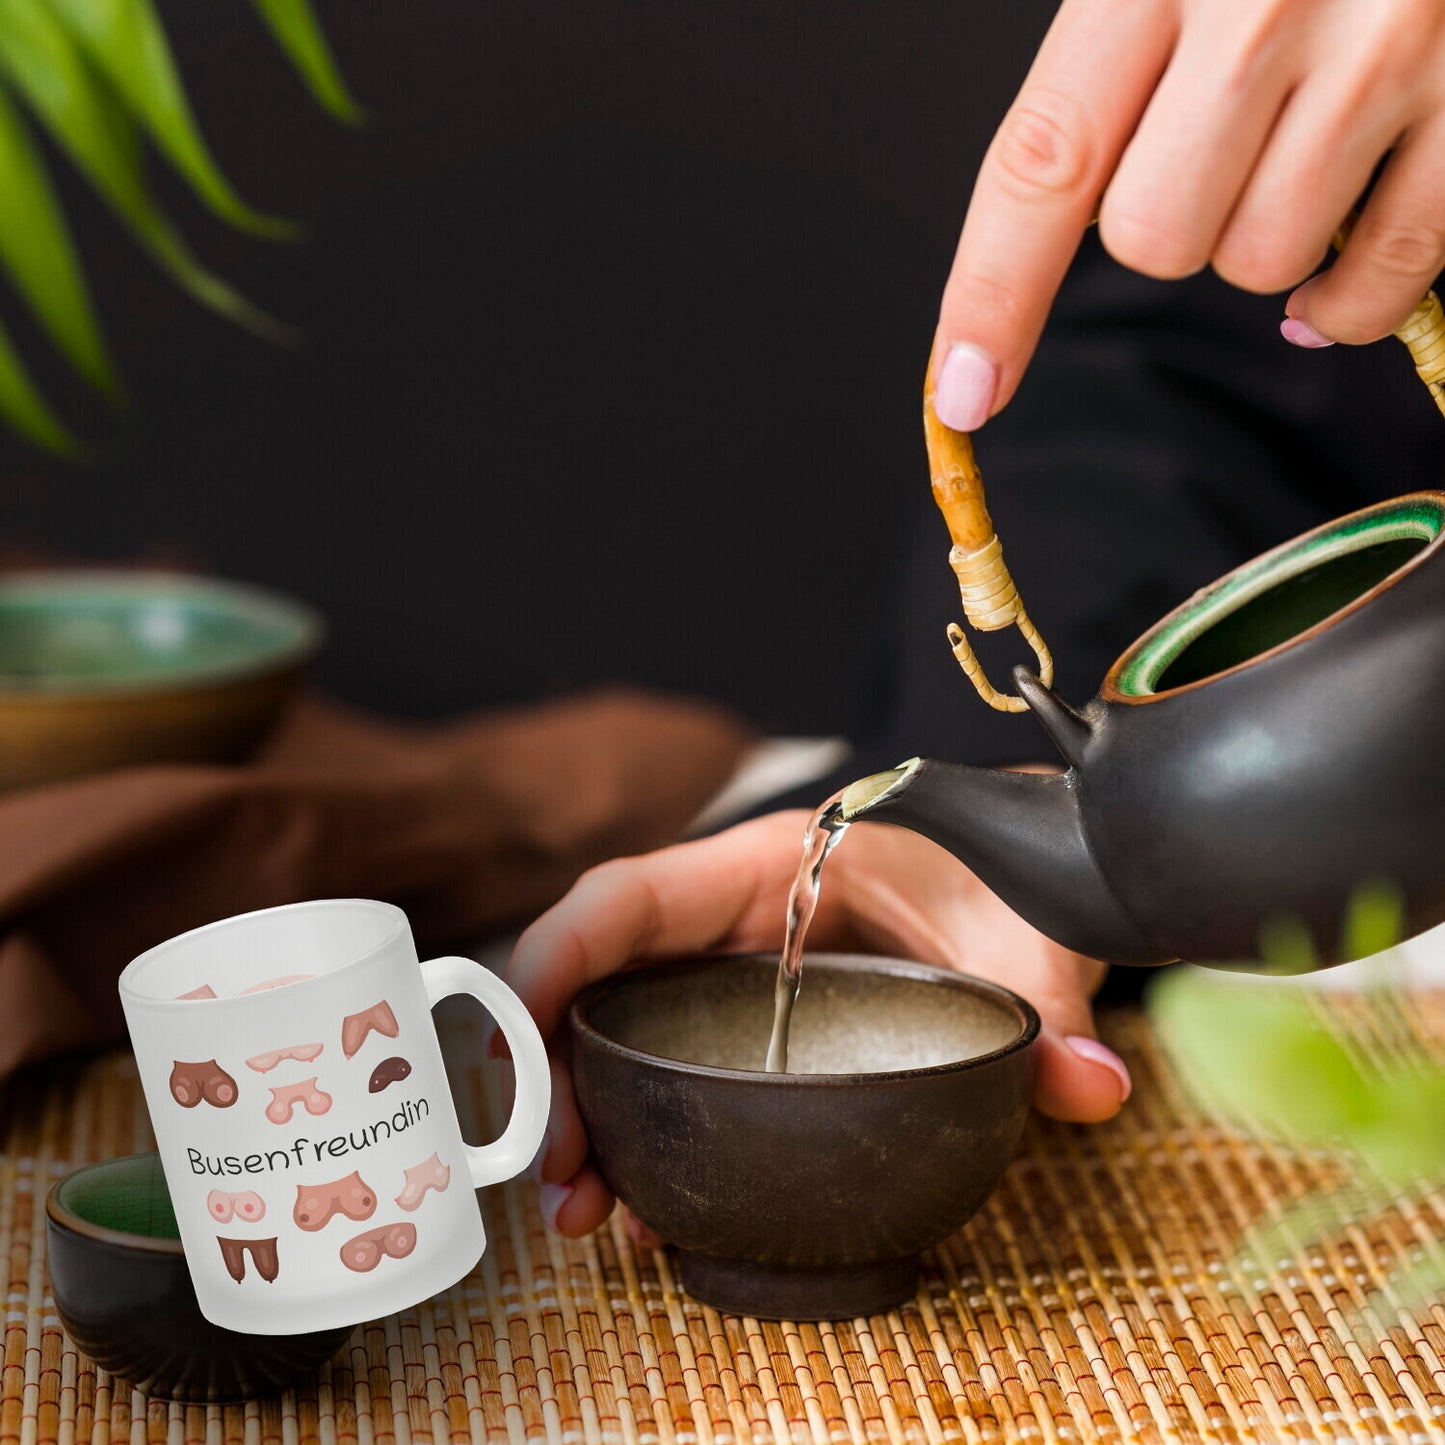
(124, 1295)
(804, 1195)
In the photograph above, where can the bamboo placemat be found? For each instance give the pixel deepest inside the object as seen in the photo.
(1099, 1295)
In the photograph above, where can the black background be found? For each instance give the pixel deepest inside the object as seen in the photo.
(614, 322)
(615, 318)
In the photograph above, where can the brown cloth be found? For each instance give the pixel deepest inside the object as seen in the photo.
(467, 826)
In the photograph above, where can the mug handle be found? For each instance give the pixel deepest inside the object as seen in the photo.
(509, 1155)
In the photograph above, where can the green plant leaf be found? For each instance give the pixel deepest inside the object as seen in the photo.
(45, 66)
(25, 409)
(41, 259)
(1257, 1049)
(1406, 1138)
(124, 41)
(297, 33)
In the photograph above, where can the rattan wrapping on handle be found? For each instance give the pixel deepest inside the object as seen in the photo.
(990, 598)
(1424, 334)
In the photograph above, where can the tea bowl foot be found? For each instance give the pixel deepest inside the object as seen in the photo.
(775, 1292)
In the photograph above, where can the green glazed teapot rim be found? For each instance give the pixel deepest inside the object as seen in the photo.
(1137, 675)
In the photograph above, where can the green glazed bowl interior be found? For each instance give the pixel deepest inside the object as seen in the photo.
(122, 1290)
(66, 633)
(122, 1201)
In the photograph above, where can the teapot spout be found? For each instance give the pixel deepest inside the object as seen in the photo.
(1022, 834)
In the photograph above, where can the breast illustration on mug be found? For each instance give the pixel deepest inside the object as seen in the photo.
(310, 1152)
(317, 1205)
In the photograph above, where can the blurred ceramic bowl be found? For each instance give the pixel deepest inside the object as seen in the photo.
(124, 1295)
(106, 669)
(802, 1195)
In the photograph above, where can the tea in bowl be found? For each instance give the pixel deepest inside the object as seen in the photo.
(807, 1194)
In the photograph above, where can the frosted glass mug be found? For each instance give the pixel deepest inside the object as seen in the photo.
(307, 1131)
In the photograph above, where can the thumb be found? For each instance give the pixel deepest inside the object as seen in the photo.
(1079, 1078)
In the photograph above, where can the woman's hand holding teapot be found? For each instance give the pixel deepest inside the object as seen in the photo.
(1231, 133)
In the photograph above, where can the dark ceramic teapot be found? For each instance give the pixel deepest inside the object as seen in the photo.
(1261, 754)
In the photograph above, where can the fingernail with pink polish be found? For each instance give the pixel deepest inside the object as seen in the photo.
(551, 1198)
(1093, 1052)
(534, 1169)
(1301, 333)
(965, 387)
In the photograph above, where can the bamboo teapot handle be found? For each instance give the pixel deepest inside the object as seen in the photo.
(990, 599)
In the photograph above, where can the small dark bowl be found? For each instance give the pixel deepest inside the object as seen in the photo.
(803, 1195)
(115, 669)
(125, 1297)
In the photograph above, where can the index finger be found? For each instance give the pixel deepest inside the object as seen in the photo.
(678, 900)
(1037, 191)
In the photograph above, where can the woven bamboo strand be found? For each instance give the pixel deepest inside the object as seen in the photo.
(1219, 1207)
(1202, 1219)
(1345, 1360)
(1206, 1289)
(1335, 1346)
(1134, 1208)
(1083, 1400)
(1187, 1271)
(1119, 1331)
(986, 588)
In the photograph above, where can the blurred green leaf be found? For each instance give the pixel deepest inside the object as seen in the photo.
(1257, 1049)
(1419, 1282)
(124, 41)
(1356, 1079)
(41, 259)
(154, 229)
(99, 77)
(45, 66)
(25, 409)
(1287, 948)
(1319, 1218)
(1374, 921)
(1405, 1138)
(294, 26)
